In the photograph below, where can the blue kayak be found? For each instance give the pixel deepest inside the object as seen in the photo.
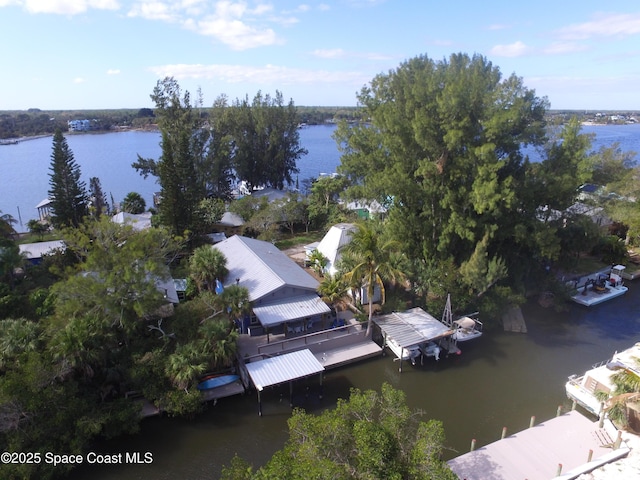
(217, 382)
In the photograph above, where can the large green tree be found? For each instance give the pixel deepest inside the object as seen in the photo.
(266, 141)
(182, 145)
(442, 150)
(69, 201)
(372, 435)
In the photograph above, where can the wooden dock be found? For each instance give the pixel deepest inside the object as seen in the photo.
(337, 357)
(234, 388)
(563, 448)
(333, 348)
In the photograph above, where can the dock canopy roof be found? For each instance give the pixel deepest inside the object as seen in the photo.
(412, 327)
(283, 368)
(290, 309)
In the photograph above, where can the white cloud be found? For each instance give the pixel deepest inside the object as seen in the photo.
(561, 48)
(603, 25)
(261, 75)
(324, 7)
(233, 23)
(113, 71)
(68, 7)
(235, 33)
(154, 10)
(498, 26)
(79, 80)
(516, 49)
(329, 53)
(337, 53)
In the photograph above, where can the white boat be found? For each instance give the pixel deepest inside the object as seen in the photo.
(430, 349)
(406, 353)
(464, 328)
(467, 328)
(600, 287)
(582, 389)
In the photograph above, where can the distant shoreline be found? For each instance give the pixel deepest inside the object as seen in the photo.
(13, 141)
(587, 123)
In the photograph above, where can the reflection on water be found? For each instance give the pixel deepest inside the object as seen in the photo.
(501, 379)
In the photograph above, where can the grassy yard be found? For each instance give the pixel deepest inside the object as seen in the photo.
(299, 240)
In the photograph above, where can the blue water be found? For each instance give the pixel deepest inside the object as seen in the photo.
(24, 180)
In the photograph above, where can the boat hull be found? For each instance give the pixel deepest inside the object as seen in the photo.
(595, 298)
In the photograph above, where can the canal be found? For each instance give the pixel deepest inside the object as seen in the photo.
(501, 379)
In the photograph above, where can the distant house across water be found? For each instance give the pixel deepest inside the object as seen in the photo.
(79, 125)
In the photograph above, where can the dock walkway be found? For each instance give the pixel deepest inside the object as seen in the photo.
(562, 443)
(333, 348)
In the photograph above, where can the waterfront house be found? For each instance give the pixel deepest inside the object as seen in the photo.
(282, 294)
(79, 125)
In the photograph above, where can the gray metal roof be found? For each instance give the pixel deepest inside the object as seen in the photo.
(37, 250)
(261, 267)
(280, 369)
(412, 327)
(291, 308)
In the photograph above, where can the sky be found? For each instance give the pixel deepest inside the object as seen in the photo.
(97, 54)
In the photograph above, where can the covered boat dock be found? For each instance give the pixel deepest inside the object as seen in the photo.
(413, 328)
(283, 368)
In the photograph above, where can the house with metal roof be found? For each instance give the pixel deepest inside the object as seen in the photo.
(33, 252)
(280, 291)
(337, 237)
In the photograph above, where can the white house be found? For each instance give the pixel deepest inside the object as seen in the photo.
(337, 237)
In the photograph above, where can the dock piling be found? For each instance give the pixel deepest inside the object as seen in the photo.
(618, 441)
(504, 433)
(473, 444)
(590, 456)
(532, 422)
(559, 471)
(559, 411)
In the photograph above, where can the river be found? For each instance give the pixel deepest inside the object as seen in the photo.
(24, 181)
(501, 379)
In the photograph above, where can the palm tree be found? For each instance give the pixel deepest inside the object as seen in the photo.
(219, 340)
(206, 265)
(10, 260)
(333, 290)
(626, 391)
(17, 336)
(318, 261)
(185, 365)
(7, 222)
(372, 266)
(235, 300)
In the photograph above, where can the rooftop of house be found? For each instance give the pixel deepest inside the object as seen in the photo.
(261, 268)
